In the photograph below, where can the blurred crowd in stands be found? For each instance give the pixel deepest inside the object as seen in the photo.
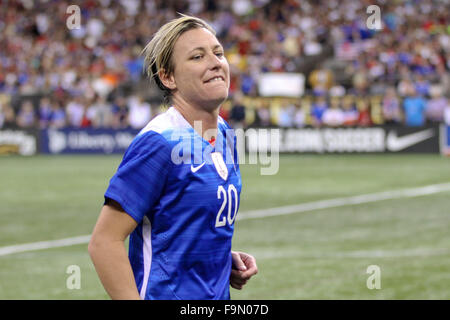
(92, 76)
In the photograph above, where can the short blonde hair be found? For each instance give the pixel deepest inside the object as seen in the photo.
(159, 51)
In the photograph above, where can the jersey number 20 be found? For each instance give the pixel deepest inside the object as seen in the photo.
(227, 199)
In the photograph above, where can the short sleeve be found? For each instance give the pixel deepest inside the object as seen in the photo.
(140, 179)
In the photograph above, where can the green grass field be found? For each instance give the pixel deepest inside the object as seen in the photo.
(319, 254)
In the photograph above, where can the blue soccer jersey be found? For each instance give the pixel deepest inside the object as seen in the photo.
(184, 193)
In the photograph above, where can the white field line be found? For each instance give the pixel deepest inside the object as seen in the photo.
(256, 214)
(357, 254)
(339, 202)
(33, 246)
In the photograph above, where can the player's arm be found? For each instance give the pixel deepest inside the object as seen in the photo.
(108, 253)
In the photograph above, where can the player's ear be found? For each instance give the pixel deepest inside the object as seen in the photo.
(167, 79)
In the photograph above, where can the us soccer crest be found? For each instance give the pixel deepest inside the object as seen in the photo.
(220, 165)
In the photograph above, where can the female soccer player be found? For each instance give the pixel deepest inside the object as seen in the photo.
(177, 188)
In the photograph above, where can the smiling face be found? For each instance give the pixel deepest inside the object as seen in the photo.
(201, 76)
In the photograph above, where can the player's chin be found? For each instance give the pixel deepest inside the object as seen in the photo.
(218, 95)
(214, 101)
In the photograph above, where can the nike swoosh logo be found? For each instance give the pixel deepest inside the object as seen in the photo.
(395, 143)
(195, 169)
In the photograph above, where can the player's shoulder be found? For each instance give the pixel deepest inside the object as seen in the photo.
(169, 125)
(167, 121)
(146, 145)
(154, 135)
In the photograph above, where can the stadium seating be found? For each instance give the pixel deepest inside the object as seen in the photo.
(97, 69)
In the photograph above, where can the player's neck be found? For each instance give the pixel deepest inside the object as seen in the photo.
(203, 121)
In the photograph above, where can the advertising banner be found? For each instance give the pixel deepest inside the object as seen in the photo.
(85, 141)
(345, 140)
(382, 139)
(19, 141)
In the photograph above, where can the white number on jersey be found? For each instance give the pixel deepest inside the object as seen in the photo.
(227, 199)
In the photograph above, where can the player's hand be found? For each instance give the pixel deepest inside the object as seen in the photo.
(244, 267)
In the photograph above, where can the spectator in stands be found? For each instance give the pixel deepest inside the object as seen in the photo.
(85, 119)
(263, 115)
(318, 109)
(120, 113)
(75, 110)
(351, 114)
(140, 112)
(100, 113)
(391, 107)
(7, 115)
(422, 85)
(299, 116)
(306, 106)
(436, 105)
(337, 91)
(414, 108)
(321, 80)
(134, 65)
(286, 116)
(237, 114)
(58, 116)
(360, 82)
(333, 116)
(248, 84)
(45, 112)
(405, 85)
(26, 117)
(364, 119)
